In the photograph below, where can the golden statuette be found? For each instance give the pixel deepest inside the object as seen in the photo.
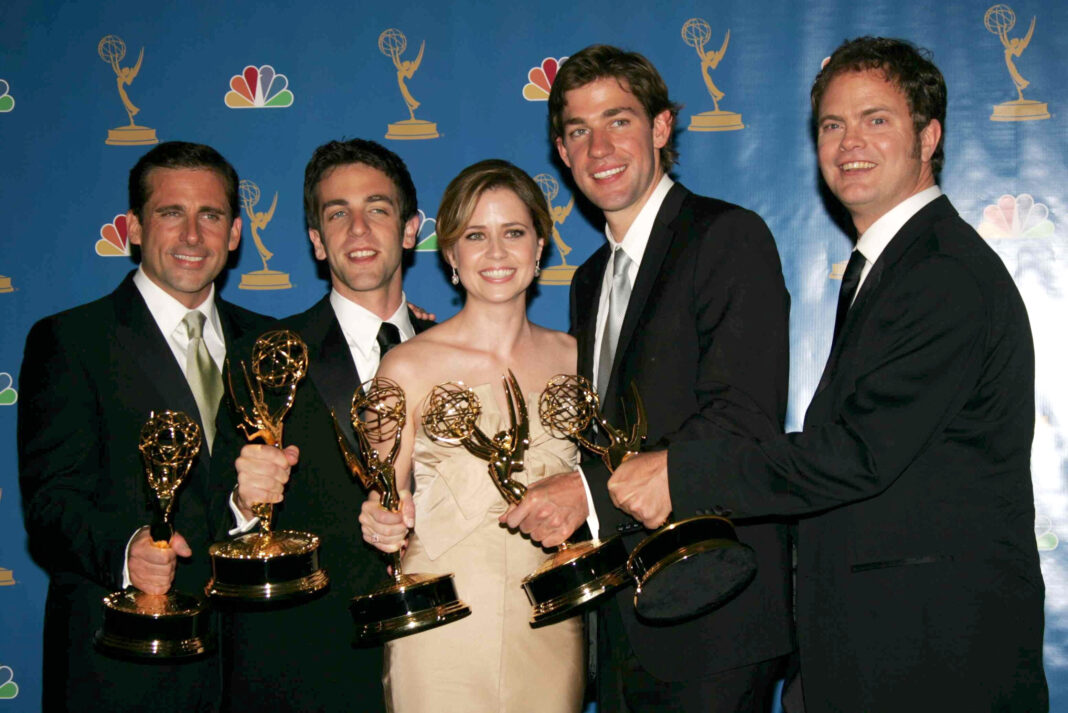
(112, 50)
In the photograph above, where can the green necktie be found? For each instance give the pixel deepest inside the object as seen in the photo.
(203, 376)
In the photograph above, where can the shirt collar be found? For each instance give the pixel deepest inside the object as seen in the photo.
(360, 325)
(875, 239)
(637, 237)
(169, 312)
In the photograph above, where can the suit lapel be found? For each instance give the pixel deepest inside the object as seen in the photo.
(330, 367)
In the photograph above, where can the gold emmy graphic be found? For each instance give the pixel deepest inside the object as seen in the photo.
(392, 43)
(578, 573)
(5, 284)
(171, 625)
(410, 603)
(112, 49)
(271, 565)
(260, 279)
(7, 577)
(999, 20)
(684, 568)
(556, 274)
(696, 32)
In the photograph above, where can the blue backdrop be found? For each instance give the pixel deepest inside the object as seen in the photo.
(266, 82)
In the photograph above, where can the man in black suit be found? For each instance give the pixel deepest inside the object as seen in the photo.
(360, 208)
(918, 582)
(703, 335)
(90, 378)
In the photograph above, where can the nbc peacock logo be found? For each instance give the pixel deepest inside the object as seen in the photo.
(7, 102)
(427, 238)
(259, 88)
(113, 241)
(1016, 217)
(540, 79)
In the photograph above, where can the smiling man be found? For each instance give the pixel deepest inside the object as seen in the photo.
(90, 378)
(918, 582)
(361, 212)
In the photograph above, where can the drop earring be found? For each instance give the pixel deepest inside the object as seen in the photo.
(455, 276)
(537, 266)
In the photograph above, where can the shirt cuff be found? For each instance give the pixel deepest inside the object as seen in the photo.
(126, 558)
(592, 522)
(244, 524)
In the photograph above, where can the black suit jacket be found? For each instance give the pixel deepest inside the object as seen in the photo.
(300, 658)
(705, 341)
(89, 379)
(918, 585)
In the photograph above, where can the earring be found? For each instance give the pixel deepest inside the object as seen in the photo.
(455, 276)
(537, 266)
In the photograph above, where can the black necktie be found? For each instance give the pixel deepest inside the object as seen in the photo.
(388, 337)
(850, 280)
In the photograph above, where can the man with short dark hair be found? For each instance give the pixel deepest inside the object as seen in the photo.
(918, 581)
(686, 300)
(361, 212)
(90, 378)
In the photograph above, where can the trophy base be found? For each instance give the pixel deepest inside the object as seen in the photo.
(131, 136)
(688, 568)
(574, 577)
(5, 284)
(265, 280)
(557, 275)
(154, 626)
(716, 121)
(1020, 110)
(281, 566)
(410, 604)
(410, 129)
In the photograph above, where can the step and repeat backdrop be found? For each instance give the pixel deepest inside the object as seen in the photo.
(86, 88)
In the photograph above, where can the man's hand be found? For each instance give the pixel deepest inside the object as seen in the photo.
(422, 313)
(552, 509)
(388, 531)
(262, 474)
(639, 487)
(151, 568)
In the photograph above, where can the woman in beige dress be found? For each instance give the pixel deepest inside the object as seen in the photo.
(492, 226)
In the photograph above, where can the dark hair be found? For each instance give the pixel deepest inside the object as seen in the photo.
(905, 66)
(342, 153)
(633, 71)
(462, 193)
(181, 154)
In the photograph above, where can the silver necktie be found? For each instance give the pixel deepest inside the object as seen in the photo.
(618, 298)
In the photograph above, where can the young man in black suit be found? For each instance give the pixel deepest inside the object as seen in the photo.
(360, 208)
(90, 378)
(701, 330)
(918, 582)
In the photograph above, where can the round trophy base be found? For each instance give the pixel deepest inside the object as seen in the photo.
(688, 568)
(265, 280)
(280, 566)
(410, 604)
(716, 121)
(154, 626)
(412, 129)
(557, 275)
(131, 136)
(5, 284)
(574, 577)
(1020, 110)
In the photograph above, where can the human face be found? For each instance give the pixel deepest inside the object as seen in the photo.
(869, 152)
(612, 148)
(187, 232)
(361, 235)
(497, 249)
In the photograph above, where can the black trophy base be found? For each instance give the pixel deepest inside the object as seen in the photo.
(689, 568)
(410, 604)
(262, 568)
(574, 577)
(155, 626)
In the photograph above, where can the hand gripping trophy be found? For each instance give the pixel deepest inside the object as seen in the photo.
(268, 566)
(683, 569)
(171, 625)
(392, 43)
(696, 32)
(577, 573)
(112, 50)
(411, 602)
(999, 20)
(260, 279)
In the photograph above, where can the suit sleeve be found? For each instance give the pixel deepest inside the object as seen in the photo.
(921, 357)
(62, 464)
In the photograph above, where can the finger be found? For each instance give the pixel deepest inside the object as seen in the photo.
(407, 509)
(180, 546)
(517, 514)
(292, 454)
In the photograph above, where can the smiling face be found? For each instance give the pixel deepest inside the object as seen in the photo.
(612, 148)
(186, 232)
(496, 250)
(869, 152)
(362, 237)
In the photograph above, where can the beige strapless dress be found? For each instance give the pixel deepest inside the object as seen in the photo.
(491, 661)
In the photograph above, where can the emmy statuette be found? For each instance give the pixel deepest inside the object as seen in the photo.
(160, 626)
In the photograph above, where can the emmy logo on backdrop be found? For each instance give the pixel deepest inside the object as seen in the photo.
(557, 274)
(5, 284)
(696, 32)
(999, 20)
(392, 43)
(260, 279)
(112, 49)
